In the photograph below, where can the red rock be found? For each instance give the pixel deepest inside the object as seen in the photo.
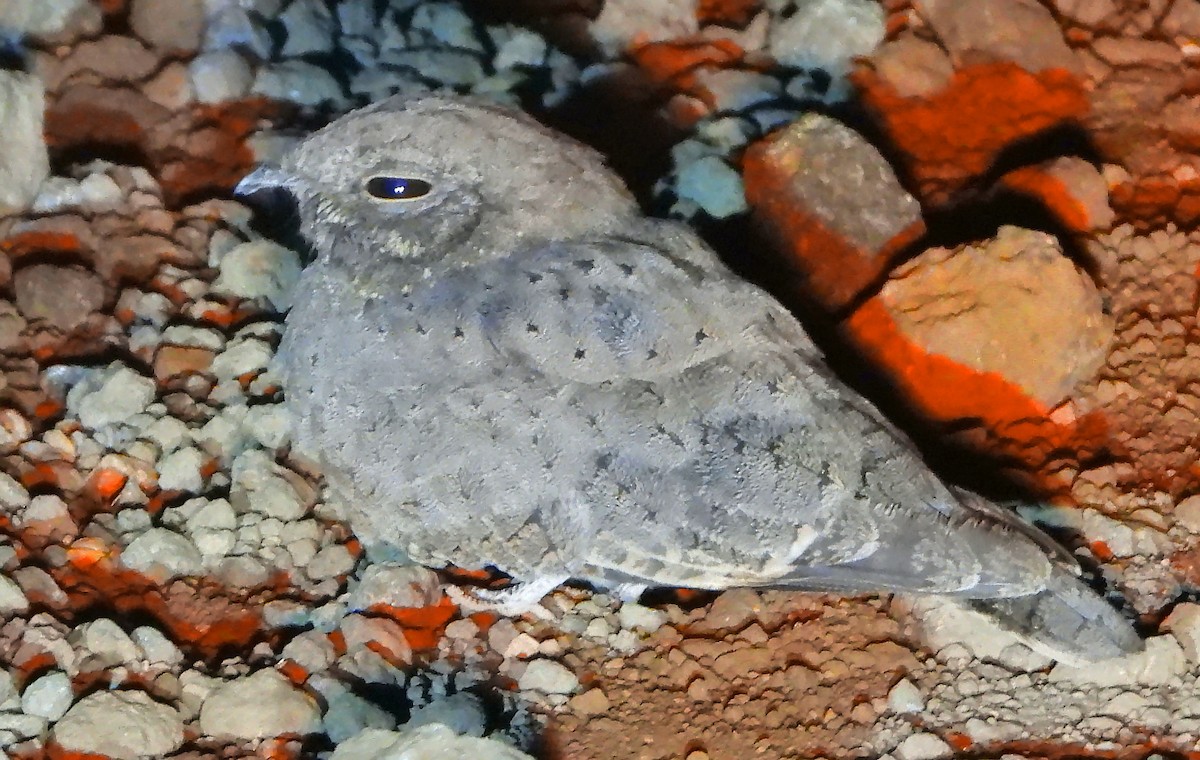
(949, 138)
(85, 114)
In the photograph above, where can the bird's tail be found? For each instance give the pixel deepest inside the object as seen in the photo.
(1065, 620)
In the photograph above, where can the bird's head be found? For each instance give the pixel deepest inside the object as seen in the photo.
(423, 178)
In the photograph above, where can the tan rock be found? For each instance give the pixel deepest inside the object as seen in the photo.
(984, 31)
(1014, 305)
(912, 66)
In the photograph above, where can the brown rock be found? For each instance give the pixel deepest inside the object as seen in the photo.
(135, 259)
(1128, 51)
(171, 88)
(170, 361)
(1014, 305)
(984, 31)
(912, 66)
(1071, 188)
(111, 116)
(113, 58)
(731, 611)
(1089, 13)
(172, 26)
(12, 324)
(834, 202)
(63, 296)
(1182, 20)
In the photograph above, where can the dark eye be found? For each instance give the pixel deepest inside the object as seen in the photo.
(397, 188)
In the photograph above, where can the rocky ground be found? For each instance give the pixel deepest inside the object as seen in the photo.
(985, 208)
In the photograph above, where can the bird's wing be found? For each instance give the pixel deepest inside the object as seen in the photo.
(730, 454)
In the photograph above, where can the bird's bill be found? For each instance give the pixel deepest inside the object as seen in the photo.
(264, 177)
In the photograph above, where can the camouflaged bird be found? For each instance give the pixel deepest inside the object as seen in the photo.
(499, 361)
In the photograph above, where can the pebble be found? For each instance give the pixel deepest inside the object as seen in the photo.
(309, 26)
(162, 554)
(398, 586)
(591, 702)
(463, 713)
(1184, 624)
(923, 747)
(332, 561)
(298, 82)
(240, 358)
(346, 713)
(261, 705)
(156, 647)
(905, 698)
(171, 26)
(713, 185)
(828, 35)
(180, 470)
(429, 741)
(48, 696)
(94, 194)
(260, 269)
(220, 75)
(120, 724)
(635, 617)
(110, 395)
(24, 163)
(12, 599)
(106, 642)
(549, 677)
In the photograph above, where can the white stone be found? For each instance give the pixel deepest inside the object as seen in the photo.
(1184, 624)
(330, 562)
(433, 741)
(13, 496)
(1187, 513)
(120, 724)
(107, 642)
(49, 696)
(299, 82)
(156, 647)
(260, 269)
(261, 705)
(258, 487)
(713, 185)
(1162, 662)
(162, 554)
(113, 394)
(93, 194)
(309, 27)
(270, 424)
(827, 35)
(240, 358)
(905, 698)
(220, 75)
(923, 747)
(622, 21)
(180, 471)
(24, 162)
(633, 617)
(396, 585)
(12, 599)
(548, 676)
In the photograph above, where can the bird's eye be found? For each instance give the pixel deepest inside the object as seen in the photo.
(397, 188)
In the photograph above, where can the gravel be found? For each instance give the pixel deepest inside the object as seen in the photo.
(235, 709)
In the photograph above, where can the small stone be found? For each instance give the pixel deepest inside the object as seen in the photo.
(430, 741)
(260, 269)
(106, 642)
(113, 394)
(170, 88)
(93, 194)
(298, 82)
(635, 617)
(731, 611)
(261, 705)
(113, 57)
(181, 471)
(240, 358)
(120, 724)
(549, 677)
(258, 486)
(24, 162)
(63, 296)
(172, 361)
(923, 747)
(220, 75)
(156, 648)
(827, 35)
(462, 712)
(49, 696)
(309, 26)
(712, 185)
(51, 21)
(364, 632)
(1184, 624)
(984, 31)
(1187, 513)
(1162, 662)
(172, 26)
(12, 599)
(404, 586)
(162, 554)
(591, 702)
(332, 561)
(905, 698)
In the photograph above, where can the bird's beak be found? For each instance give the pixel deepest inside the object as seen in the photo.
(265, 177)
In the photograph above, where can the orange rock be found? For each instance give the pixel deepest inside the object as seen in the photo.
(734, 13)
(171, 361)
(675, 63)
(943, 391)
(1070, 188)
(955, 135)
